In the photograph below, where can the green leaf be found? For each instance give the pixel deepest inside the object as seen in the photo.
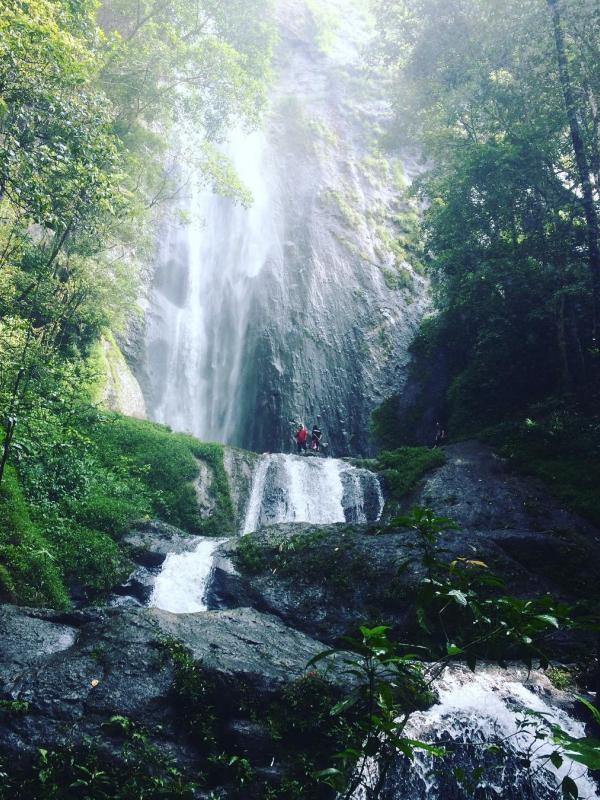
(459, 596)
(556, 760)
(591, 707)
(453, 649)
(320, 656)
(548, 619)
(569, 788)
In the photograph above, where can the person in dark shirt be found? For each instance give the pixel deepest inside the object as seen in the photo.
(316, 437)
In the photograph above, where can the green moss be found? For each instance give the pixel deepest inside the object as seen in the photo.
(404, 467)
(249, 556)
(323, 132)
(560, 677)
(88, 558)
(398, 278)
(327, 22)
(29, 573)
(9, 707)
(165, 462)
(343, 205)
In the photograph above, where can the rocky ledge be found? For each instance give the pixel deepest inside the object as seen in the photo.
(325, 580)
(73, 672)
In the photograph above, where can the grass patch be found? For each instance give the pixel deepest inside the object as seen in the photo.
(29, 573)
(315, 557)
(81, 481)
(166, 463)
(404, 467)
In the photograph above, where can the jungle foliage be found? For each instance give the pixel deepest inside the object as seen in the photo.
(91, 94)
(502, 100)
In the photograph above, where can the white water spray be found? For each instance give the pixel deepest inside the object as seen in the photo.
(182, 583)
(203, 296)
(476, 711)
(289, 488)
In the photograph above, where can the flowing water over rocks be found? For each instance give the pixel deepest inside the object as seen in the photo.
(284, 489)
(290, 488)
(477, 713)
(182, 583)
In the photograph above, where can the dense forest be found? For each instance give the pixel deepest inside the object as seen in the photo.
(428, 541)
(90, 97)
(504, 108)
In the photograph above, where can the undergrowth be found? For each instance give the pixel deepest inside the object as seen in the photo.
(78, 483)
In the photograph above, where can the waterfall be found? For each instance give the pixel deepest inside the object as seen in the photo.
(181, 584)
(204, 283)
(285, 309)
(475, 713)
(288, 488)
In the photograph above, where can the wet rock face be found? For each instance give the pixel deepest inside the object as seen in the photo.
(351, 573)
(309, 306)
(477, 490)
(78, 670)
(239, 466)
(347, 574)
(362, 498)
(151, 542)
(329, 335)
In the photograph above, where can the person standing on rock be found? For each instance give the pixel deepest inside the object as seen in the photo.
(317, 433)
(301, 436)
(440, 434)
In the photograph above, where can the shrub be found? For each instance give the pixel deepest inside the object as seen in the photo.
(29, 572)
(404, 467)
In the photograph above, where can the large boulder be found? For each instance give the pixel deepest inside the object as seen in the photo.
(326, 580)
(76, 671)
(478, 490)
(151, 542)
(348, 574)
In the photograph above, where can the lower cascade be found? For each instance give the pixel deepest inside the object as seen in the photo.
(487, 722)
(288, 488)
(182, 583)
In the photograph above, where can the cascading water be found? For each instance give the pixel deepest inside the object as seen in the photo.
(182, 583)
(289, 488)
(202, 298)
(477, 720)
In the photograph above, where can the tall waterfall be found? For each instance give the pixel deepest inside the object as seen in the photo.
(292, 307)
(288, 488)
(207, 271)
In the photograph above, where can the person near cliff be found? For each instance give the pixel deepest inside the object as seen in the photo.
(316, 436)
(301, 436)
(440, 434)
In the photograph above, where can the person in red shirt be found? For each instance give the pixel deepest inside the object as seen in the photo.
(301, 436)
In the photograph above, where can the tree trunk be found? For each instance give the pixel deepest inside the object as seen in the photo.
(583, 167)
(565, 377)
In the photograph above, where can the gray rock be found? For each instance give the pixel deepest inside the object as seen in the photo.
(351, 574)
(151, 542)
(239, 466)
(477, 489)
(107, 662)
